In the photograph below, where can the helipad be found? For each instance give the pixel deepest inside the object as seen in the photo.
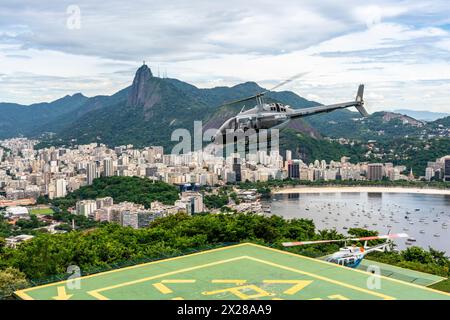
(244, 271)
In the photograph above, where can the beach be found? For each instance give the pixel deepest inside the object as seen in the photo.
(361, 189)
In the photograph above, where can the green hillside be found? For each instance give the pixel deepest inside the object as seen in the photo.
(131, 189)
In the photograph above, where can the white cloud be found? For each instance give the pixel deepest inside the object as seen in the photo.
(399, 49)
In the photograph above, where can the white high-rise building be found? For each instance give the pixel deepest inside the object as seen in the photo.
(429, 173)
(86, 207)
(91, 172)
(61, 188)
(108, 169)
(288, 155)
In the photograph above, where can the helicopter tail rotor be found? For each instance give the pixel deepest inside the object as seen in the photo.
(360, 100)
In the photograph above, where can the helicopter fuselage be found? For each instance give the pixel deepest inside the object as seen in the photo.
(272, 116)
(352, 256)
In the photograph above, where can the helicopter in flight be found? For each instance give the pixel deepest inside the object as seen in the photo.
(351, 256)
(274, 115)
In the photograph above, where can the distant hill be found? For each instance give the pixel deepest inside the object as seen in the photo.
(151, 108)
(423, 115)
(444, 122)
(24, 120)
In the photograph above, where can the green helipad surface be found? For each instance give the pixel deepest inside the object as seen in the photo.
(244, 271)
(422, 278)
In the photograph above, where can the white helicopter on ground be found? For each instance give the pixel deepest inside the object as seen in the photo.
(274, 115)
(351, 256)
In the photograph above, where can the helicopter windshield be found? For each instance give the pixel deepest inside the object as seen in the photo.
(229, 124)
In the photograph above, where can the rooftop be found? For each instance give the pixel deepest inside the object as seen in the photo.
(243, 271)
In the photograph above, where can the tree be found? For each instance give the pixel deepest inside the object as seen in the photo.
(11, 279)
(417, 254)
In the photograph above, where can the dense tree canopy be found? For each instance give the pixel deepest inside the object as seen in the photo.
(133, 189)
(10, 280)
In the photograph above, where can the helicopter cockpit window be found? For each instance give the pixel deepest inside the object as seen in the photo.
(229, 124)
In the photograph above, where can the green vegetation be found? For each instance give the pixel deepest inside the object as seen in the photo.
(443, 285)
(43, 211)
(310, 149)
(31, 223)
(6, 229)
(214, 201)
(133, 189)
(10, 280)
(221, 199)
(414, 152)
(81, 222)
(22, 226)
(416, 258)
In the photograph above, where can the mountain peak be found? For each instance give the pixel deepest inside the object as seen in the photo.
(144, 71)
(140, 88)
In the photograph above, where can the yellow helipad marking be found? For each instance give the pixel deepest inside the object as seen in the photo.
(62, 295)
(178, 281)
(96, 293)
(338, 297)
(240, 292)
(166, 290)
(162, 288)
(298, 284)
(22, 293)
(313, 275)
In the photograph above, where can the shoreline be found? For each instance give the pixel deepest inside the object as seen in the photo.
(362, 189)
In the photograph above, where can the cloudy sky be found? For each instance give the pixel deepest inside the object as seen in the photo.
(399, 49)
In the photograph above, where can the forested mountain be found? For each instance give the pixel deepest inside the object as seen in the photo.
(149, 110)
(19, 119)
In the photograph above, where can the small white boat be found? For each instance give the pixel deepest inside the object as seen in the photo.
(411, 239)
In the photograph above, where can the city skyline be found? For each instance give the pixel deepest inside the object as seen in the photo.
(53, 172)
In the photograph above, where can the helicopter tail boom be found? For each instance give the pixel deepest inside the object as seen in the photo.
(358, 103)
